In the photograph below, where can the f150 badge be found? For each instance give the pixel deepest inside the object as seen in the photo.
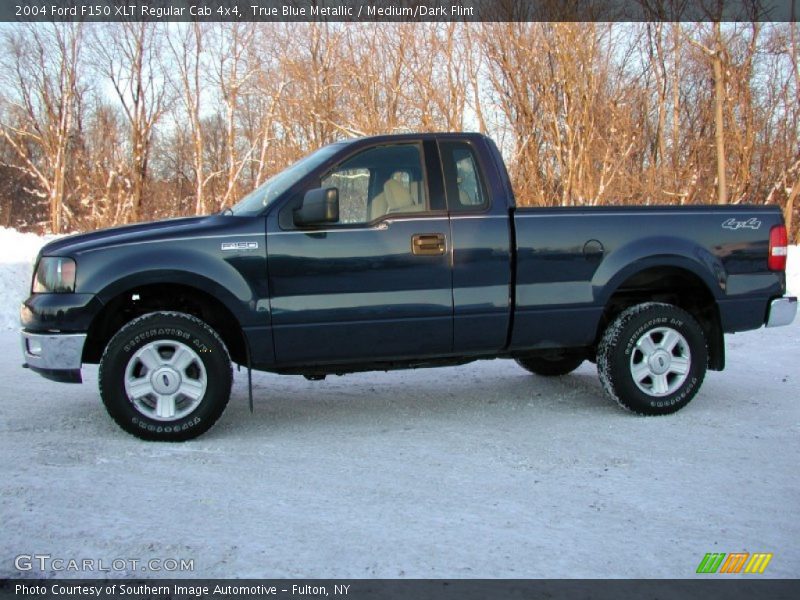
(748, 224)
(239, 246)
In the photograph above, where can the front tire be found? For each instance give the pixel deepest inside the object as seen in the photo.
(653, 358)
(165, 376)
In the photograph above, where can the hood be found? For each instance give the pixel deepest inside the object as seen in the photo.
(130, 234)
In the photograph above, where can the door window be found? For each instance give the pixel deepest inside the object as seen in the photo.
(465, 190)
(379, 181)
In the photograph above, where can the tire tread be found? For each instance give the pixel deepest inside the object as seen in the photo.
(124, 331)
(608, 345)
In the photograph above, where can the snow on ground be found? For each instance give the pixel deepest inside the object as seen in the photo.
(474, 471)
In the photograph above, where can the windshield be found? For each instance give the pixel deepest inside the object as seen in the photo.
(263, 195)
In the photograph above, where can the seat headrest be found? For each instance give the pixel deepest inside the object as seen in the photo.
(397, 196)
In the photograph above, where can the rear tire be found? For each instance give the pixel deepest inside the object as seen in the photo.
(165, 376)
(550, 367)
(653, 358)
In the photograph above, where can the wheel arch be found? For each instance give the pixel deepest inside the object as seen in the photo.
(675, 282)
(125, 300)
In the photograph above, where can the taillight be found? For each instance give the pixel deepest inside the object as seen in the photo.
(778, 248)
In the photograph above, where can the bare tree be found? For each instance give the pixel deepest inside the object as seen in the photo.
(374, 77)
(715, 51)
(100, 180)
(232, 73)
(585, 113)
(187, 46)
(128, 54)
(569, 114)
(42, 67)
(794, 52)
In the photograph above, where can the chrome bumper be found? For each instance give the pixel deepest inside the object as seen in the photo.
(781, 311)
(55, 356)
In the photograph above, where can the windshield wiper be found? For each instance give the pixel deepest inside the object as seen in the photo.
(226, 211)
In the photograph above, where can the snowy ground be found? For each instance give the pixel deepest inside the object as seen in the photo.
(473, 471)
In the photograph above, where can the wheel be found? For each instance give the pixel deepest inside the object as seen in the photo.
(165, 376)
(550, 366)
(653, 358)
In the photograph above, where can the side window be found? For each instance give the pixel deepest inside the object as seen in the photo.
(353, 185)
(465, 190)
(379, 181)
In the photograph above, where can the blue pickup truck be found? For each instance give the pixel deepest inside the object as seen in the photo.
(396, 252)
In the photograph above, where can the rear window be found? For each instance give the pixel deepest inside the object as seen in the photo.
(463, 181)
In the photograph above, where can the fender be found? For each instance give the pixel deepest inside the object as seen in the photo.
(226, 280)
(637, 256)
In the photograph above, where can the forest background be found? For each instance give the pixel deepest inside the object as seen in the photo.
(110, 123)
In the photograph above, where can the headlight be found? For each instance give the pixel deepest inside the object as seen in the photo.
(54, 274)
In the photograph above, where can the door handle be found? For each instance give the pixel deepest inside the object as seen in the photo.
(428, 244)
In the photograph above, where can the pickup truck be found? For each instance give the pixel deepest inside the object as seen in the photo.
(393, 252)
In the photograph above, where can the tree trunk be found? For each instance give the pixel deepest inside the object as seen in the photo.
(55, 209)
(719, 100)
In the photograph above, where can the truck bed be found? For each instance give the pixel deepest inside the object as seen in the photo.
(571, 260)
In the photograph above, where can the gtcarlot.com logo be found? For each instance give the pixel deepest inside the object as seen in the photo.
(47, 562)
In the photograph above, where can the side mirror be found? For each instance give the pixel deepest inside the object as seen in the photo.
(320, 205)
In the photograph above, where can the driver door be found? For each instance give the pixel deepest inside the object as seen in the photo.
(376, 285)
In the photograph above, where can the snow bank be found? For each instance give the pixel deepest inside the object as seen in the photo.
(17, 254)
(793, 271)
(18, 251)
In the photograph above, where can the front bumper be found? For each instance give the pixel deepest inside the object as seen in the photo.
(781, 311)
(55, 356)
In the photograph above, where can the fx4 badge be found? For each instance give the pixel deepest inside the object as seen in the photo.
(749, 224)
(239, 246)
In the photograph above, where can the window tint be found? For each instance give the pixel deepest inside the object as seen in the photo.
(465, 190)
(353, 185)
(377, 182)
